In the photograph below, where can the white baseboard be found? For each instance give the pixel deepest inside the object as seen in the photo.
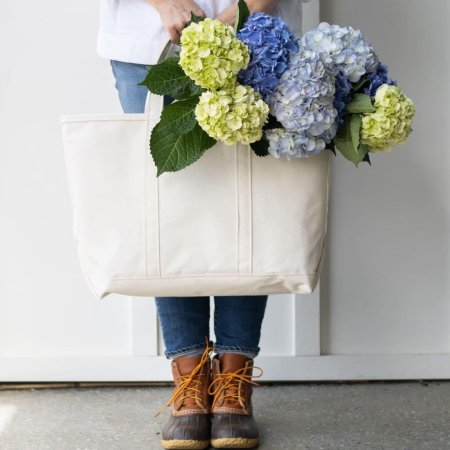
(298, 368)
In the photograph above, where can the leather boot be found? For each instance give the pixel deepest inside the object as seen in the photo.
(189, 423)
(232, 422)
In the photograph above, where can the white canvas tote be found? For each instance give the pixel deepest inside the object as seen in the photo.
(231, 223)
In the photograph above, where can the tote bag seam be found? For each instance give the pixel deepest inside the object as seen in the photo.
(250, 187)
(89, 277)
(324, 232)
(158, 220)
(101, 118)
(206, 276)
(236, 168)
(145, 194)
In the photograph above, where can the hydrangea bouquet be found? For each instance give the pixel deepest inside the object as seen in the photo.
(285, 96)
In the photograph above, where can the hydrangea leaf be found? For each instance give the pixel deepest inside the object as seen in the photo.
(366, 156)
(361, 103)
(331, 147)
(194, 19)
(168, 78)
(261, 147)
(172, 152)
(347, 139)
(179, 117)
(362, 83)
(271, 123)
(242, 14)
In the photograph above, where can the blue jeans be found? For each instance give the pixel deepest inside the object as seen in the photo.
(185, 320)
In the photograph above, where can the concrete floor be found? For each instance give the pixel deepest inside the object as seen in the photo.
(376, 415)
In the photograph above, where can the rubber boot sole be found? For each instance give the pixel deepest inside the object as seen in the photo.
(234, 443)
(184, 444)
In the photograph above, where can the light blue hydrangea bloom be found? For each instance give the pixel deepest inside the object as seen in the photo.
(303, 103)
(342, 47)
(290, 144)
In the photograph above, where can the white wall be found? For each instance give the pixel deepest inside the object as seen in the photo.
(386, 283)
(48, 59)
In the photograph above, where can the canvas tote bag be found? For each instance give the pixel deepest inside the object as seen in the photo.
(231, 223)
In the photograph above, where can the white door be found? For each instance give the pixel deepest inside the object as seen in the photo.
(382, 308)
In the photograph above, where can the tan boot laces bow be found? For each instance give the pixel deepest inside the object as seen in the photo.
(188, 387)
(231, 381)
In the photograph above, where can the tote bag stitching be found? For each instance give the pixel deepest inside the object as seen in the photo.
(151, 121)
(250, 193)
(146, 178)
(86, 274)
(324, 232)
(74, 214)
(97, 277)
(145, 194)
(158, 226)
(243, 209)
(136, 117)
(236, 168)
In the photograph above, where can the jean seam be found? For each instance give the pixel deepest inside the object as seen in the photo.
(182, 350)
(236, 347)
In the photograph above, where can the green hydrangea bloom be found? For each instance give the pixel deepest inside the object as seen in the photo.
(211, 54)
(234, 115)
(391, 123)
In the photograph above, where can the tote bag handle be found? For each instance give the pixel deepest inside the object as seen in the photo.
(154, 103)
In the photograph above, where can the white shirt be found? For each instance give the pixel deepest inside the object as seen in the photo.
(131, 30)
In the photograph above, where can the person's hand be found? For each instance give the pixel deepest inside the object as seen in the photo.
(228, 15)
(175, 14)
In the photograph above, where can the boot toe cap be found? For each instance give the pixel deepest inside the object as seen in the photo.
(234, 426)
(189, 427)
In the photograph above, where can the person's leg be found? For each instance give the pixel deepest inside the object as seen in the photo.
(127, 76)
(237, 323)
(132, 96)
(184, 324)
(184, 320)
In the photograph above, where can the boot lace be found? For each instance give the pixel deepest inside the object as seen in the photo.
(189, 386)
(230, 381)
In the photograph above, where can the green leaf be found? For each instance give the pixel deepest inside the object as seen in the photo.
(331, 146)
(261, 147)
(179, 116)
(272, 122)
(172, 152)
(347, 139)
(242, 14)
(360, 104)
(168, 78)
(360, 84)
(366, 156)
(194, 19)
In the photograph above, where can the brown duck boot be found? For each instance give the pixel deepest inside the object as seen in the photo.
(232, 422)
(189, 424)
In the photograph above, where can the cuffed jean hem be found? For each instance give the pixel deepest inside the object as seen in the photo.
(250, 352)
(190, 350)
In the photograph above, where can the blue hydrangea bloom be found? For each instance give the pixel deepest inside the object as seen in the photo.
(343, 48)
(303, 103)
(377, 79)
(290, 144)
(342, 96)
(270, 42)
